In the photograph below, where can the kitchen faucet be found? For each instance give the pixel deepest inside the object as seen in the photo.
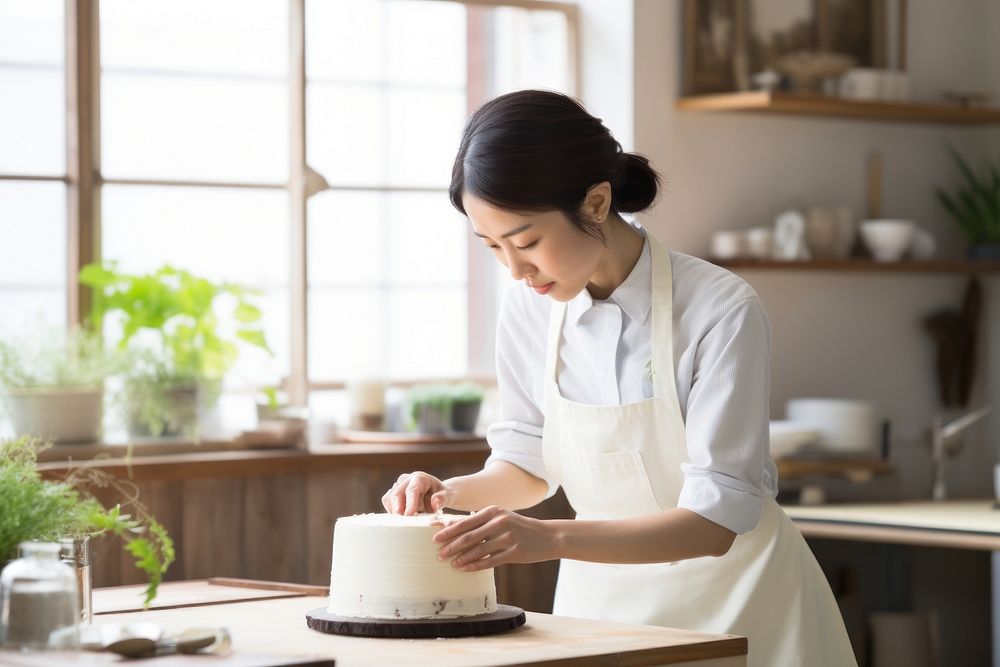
(944, 441)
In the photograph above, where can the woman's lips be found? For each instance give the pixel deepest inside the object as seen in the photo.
(543, 289)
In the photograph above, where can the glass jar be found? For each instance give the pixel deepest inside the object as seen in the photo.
(39, 603)
(75, 552)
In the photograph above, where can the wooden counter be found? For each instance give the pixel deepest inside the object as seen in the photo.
(277, 626)
(269, 514)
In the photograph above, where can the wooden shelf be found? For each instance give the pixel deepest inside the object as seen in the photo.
(834, 107)
(855, 470)
(867, 265)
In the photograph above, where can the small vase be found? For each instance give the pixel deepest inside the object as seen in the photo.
(75, 552)
(464, 415)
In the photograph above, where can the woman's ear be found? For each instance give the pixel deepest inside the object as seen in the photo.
(597, 202)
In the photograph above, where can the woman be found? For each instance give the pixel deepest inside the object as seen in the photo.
(635, 378)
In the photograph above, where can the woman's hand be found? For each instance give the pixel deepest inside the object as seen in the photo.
(495, 536)
(416, 492)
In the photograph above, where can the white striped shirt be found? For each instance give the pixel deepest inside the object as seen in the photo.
(722, 341)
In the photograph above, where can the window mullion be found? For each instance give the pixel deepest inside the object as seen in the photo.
(83, 72)
(298, 187)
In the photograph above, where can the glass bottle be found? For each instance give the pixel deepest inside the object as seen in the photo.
(75, 552)
(39, 603)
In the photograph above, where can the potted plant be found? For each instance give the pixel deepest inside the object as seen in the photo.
(428, 408)
(441, 408)
(466, 400)
(182, 349)
(53, 383)
(975, 206)
(39, 509)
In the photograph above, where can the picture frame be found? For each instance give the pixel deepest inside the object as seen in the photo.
(727, 41)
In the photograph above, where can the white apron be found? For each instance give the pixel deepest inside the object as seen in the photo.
(621, 461)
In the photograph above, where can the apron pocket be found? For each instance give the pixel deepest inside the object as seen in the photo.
(607, 485)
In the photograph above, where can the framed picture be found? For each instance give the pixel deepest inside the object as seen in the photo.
(714, 46)
(727, 41)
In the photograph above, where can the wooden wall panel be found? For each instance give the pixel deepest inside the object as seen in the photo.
(274, 536)
(330, 496)
(211, 544)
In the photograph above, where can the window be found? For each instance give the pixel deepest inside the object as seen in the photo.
(300, 147)
(33, 239)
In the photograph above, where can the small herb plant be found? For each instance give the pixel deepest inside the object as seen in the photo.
(975, 204)
(430, 407)
(49, 358)
(170, 322)
(38, 509)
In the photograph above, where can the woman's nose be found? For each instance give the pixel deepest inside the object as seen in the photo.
(519, 269)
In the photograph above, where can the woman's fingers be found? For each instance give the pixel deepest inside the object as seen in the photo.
(416, 487)
(412, 494)
(440, 499)
(467, 524)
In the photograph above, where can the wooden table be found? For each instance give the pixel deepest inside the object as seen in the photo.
(268, 628)
(957, 524)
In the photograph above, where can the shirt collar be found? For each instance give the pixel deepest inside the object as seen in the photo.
(634, 295)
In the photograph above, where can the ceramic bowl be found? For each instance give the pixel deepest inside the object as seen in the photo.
(888, 240)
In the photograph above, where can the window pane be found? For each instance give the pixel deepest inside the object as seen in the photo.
(232, 234)
(246, 37)
(33, 111)
(429, 333)
(530, 50)
(346, 239)
(184, 128)
(387, 41)
(195, 100)
(399, 137)
(31, 32)
(347, 333)
(428, 241)
(32, 253)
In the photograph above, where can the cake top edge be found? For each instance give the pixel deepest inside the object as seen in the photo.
(385, 519)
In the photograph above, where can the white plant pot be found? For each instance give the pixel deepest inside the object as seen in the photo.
(64, 414)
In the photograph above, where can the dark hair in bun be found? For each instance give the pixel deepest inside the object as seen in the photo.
(535, 150)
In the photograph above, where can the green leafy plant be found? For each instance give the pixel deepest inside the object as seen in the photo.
(427, 404)
(46, 358)
(170, 320)
(39, 509)
(430, 403)
(975, 204)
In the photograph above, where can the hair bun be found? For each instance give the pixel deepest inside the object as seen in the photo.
(637, 185)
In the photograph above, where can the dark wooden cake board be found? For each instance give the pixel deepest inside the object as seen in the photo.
(503, 619)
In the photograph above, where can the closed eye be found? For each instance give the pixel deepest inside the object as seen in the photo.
(529, 246)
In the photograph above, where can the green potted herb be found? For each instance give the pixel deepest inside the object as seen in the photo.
(428, 408)
(173, 323)
(39, 509)
(975, 206)
(52, 383)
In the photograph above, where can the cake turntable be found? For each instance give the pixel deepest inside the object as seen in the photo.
(505, 618)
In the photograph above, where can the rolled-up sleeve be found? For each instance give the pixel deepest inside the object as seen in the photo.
(727, 419)
(517, 438)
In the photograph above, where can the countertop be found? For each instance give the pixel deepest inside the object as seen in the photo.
(964, 524)
(277, 627)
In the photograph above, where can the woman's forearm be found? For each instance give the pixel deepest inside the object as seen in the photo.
(664, 537)
(501, 483)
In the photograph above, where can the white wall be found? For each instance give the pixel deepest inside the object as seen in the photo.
(835, 334)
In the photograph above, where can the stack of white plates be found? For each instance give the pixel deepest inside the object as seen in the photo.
(845, 426)
(788, 437)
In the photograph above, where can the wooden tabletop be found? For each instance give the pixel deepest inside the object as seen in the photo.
(960, 524)
(276, 626)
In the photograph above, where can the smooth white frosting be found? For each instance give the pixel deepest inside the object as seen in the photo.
(386, 566)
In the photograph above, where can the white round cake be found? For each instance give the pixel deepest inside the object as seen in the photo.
(386, 566)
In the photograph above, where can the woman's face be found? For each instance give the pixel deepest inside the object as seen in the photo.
(543, 249)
